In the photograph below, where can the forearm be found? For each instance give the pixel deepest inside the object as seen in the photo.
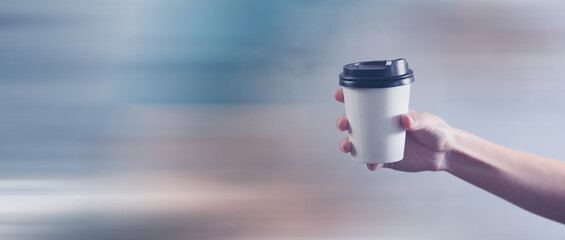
(532, 182)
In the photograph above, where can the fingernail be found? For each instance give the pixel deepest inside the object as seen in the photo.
(371, 167)
(410, 119)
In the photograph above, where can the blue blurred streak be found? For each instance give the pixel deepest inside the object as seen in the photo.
(224, 51)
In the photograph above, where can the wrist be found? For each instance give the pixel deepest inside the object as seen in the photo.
(464, 152)
(454, 148)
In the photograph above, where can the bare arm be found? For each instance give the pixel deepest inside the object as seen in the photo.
(531, 182)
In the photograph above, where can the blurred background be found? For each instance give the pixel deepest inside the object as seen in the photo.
(216, 120)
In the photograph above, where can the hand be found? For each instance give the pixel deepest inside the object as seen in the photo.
(428, 140)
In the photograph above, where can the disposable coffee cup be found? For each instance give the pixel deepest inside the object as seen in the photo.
(376, 93)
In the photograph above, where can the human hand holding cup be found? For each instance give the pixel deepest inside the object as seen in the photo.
(427, 142)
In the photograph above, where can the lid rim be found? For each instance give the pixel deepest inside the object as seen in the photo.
(376, 74)
(373, 84)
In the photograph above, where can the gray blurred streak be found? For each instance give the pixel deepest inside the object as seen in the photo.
(215, 119)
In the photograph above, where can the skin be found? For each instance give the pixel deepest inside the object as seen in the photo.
(532, 182)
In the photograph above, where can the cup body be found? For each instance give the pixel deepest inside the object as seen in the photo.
(375, 130)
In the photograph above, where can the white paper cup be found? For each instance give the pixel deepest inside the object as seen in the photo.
(376, 94)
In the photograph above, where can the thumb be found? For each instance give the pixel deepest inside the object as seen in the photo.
(415, 121)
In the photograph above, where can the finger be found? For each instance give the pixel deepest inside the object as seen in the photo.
(345, 145)
(342, 123)
(339, 95)
(406, 119)
(373, 166)
(414, 121)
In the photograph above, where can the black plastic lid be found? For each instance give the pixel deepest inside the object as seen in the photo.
(376, 74)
